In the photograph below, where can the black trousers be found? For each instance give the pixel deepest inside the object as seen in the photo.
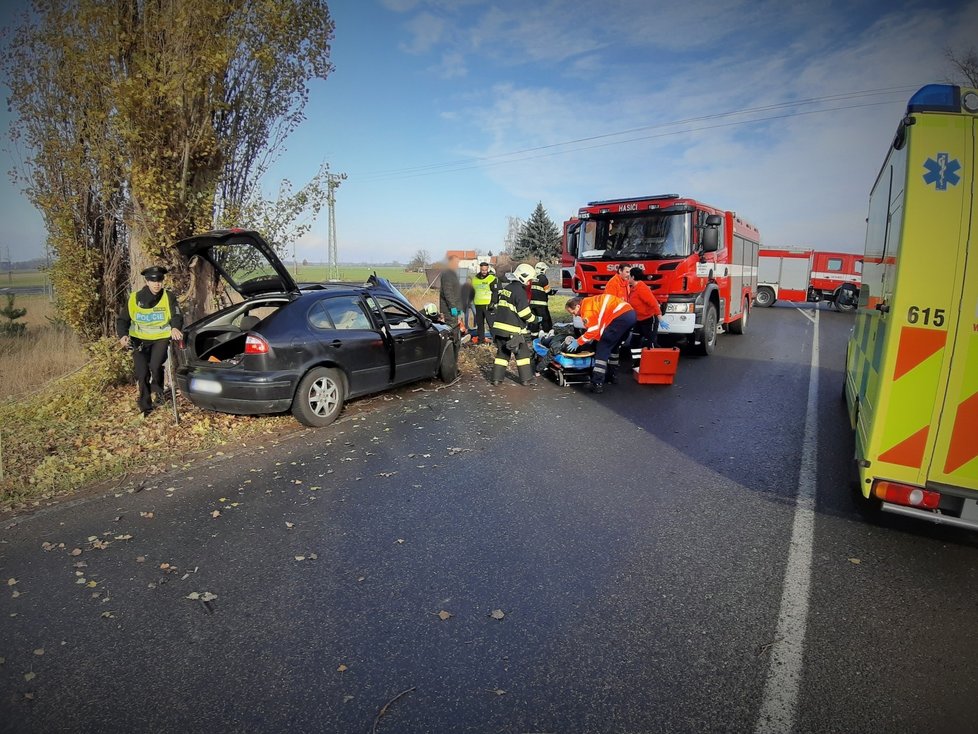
(147, 363)
(648, 330)
(482, 320)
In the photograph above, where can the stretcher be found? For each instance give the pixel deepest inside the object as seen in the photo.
(566, 368)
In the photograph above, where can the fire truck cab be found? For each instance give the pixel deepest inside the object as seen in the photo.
(699, 261)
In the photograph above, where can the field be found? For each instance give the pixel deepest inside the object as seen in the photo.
(22, 278)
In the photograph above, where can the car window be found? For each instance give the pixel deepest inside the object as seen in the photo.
(398, 315)
(319, 317)
(346, 313)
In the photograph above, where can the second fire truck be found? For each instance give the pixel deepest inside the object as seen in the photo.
(699, 261)
(800, 275)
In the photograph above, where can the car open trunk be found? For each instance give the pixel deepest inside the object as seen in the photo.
(221, 337)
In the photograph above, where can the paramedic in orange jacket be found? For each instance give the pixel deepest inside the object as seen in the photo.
(606, 320)
(618, 285)
(647, 311)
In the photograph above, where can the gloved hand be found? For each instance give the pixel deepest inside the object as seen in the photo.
(541, 334)
(571, 345)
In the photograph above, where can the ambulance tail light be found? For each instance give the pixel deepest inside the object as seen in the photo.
(254, 344)
(906, 494)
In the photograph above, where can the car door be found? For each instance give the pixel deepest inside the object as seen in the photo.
(416, 345)
(350, 339)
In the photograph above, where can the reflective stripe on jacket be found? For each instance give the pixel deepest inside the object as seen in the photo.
(598, 312)
(150, 324)
(641, 299)
(513, 312)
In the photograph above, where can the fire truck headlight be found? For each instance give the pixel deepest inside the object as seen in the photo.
(680, 308)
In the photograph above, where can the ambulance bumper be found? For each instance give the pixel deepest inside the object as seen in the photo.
(968, 520)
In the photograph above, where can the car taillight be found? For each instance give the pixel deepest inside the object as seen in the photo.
(254, 344)
(906, 494)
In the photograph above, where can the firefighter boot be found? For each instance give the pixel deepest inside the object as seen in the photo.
(499, 369)
(525, 372)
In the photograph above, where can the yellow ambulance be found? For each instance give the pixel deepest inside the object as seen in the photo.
(912, 360)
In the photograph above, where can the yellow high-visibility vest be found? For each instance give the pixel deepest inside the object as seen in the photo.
(150, 324)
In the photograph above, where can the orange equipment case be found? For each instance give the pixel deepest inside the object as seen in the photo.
(657, 366)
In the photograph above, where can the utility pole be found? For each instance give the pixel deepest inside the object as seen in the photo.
(332, 183)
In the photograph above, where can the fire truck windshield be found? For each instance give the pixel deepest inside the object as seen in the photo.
(650, 236)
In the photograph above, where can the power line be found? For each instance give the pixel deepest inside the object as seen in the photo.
(519, 156)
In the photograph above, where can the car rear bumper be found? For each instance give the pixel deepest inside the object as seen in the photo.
(239, 392)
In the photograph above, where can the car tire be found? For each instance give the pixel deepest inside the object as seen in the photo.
(740, 325)
(448, 367)
(708, 337)
(319, 398)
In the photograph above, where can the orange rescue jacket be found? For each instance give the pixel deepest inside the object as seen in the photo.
(641, 299)
(598, 312)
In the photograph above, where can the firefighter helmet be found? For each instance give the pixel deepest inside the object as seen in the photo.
(541, 267)
(524, 273)
(430, 310)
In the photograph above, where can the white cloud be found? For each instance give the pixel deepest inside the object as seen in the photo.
(426, 31)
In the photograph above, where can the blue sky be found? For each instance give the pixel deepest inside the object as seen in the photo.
(448, 116)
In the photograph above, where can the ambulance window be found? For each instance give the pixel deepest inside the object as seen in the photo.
(834, 263)
(858, 267)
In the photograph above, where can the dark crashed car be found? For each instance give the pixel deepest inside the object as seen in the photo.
(282, 347)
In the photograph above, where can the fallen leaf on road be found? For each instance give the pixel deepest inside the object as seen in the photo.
(140, 559)
(387, 473)
(855, 560)
(300, 558)
(30, 676)
(48, 546)
(15, 594)
(445, 616)
(342, 668)
(497, 614)
(290, 525)
(39, 651)
(223, 499)
(313, 556)
(497, 691)
(147, 515)
(347, 699)
(76, 552)
(123, 537)
(29, 696)
(400, 541)
(92, 584)
(216, 513)
(79, 564)
(11, 582)
(100, 544)
(107, 615)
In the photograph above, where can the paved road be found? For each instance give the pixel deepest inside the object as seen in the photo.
(637, 544)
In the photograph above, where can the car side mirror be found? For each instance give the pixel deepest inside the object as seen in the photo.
(710, 241)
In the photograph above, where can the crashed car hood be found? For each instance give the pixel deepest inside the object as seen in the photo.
(243, 259)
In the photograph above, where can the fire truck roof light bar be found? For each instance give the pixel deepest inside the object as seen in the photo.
(635, 198)
(935, 98)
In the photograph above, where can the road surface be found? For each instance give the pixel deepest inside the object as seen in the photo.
(470, 559)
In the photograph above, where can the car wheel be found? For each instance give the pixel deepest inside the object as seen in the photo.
(740, 325)
(319, 397)
(765, 297)
(708, 339)
(448, 368)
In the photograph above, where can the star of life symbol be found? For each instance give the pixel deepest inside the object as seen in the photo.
(942, 172)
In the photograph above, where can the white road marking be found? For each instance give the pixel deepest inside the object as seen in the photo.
(808, 315)
(783, 684)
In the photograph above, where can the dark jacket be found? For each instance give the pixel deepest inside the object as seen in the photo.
(449, 294)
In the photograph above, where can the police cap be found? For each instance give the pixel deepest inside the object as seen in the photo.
(154, 273)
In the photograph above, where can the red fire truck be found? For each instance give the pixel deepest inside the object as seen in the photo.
(700, 261)
(796, 274)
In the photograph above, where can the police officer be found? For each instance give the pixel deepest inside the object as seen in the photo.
(151, 318)
(510, 329)
(486, 287)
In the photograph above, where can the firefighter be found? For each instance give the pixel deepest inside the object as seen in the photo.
(540, 298)
(607, 320)
(618, 285)
(151, 318)
(647, 312)
(510, 329)
(486, 287)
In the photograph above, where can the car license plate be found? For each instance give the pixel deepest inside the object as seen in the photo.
(209, 387)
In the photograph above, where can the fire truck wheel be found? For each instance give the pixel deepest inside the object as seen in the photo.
(765, 297)
(740, 325)
(708, 338)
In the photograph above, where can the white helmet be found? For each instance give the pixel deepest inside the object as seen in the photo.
(429, 309)
(541, 267)
(524, 273)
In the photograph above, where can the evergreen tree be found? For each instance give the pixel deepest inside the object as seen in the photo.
(538, 237)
